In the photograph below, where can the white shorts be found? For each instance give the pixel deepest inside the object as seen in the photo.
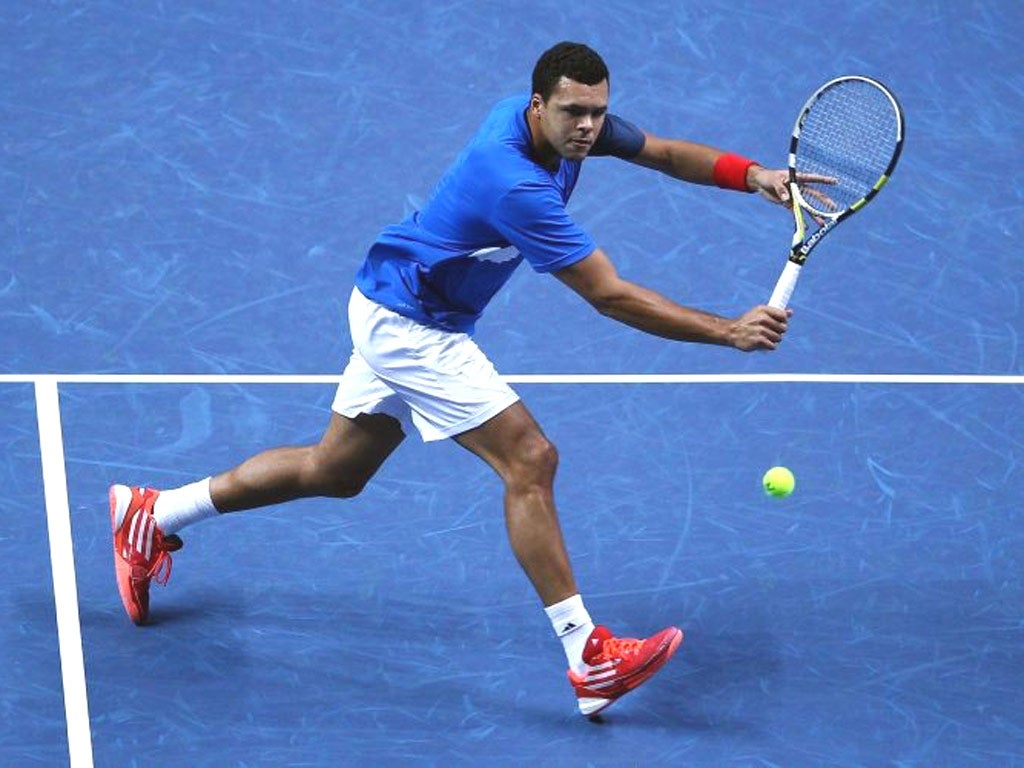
(438, 381)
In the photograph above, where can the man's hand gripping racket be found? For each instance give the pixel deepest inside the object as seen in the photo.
(848, 138)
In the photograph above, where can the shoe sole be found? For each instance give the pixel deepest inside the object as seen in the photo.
(593, 706)
(122, 570)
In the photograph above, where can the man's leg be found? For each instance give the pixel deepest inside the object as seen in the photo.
(143, 520)
(513, 444)
(347, 456)
(602, 667)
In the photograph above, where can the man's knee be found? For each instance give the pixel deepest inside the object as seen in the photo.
(344, 488)
(351, 452)
(536, 461)
(337, 478)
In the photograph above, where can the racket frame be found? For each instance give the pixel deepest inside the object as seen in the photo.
(802, 244)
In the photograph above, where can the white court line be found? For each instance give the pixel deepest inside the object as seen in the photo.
(556, 378)
(62, 564)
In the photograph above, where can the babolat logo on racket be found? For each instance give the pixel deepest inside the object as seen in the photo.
(812, 241)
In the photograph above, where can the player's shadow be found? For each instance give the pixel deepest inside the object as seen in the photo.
(718, 684)
(722, 683)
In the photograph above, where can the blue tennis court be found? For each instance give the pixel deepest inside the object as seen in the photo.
(189, 190)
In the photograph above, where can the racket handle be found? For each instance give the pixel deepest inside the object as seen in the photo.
(784, 287)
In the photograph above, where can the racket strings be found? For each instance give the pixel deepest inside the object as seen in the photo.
(850, 133)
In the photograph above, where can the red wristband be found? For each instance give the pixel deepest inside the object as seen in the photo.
(730, 172)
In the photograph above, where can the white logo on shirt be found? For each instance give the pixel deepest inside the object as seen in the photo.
(495, 255)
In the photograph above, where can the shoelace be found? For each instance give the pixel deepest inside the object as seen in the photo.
(620, 648)
(160, 570)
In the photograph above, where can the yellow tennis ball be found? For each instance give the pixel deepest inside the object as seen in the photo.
(778, 482)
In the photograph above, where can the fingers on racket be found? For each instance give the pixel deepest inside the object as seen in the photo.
(815, 178)
(819, 201)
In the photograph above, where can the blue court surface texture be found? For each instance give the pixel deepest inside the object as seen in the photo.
(187, 190)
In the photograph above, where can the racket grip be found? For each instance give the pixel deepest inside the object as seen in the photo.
(785, 285)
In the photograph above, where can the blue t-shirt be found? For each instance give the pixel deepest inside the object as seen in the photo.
(493, 208)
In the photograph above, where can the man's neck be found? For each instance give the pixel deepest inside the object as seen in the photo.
(543, 153)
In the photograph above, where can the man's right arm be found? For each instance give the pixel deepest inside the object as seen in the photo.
(596, 280)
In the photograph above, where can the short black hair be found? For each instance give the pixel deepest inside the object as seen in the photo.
(575, 61)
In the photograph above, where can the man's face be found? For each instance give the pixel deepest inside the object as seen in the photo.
(572, 116)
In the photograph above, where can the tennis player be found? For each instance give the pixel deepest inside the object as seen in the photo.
(421, 289)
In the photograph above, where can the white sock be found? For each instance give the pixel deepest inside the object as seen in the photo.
(573, 626)
(183, 506)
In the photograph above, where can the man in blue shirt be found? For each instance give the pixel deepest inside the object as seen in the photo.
(418, 295)
(493, 208)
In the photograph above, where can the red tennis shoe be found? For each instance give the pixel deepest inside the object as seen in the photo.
(141, 551)
(617, 665)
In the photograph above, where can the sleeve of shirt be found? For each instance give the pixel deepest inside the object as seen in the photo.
(532, 217)
(619, 138)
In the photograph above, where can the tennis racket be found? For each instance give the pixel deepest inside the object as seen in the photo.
(851, 132)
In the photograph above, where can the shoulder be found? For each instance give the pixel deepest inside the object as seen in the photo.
(505, 123)
(510, 108)
(619, 138)
(500, 150)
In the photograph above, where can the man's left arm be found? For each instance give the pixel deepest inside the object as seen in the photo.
(696, 163)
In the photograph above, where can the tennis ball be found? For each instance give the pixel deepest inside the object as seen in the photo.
(778, 482)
